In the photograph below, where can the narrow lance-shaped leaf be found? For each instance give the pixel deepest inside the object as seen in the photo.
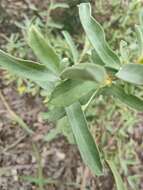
(43, 50)
(51, 135)
(85, 142)
(124, 51)
(54, 114)
(85, 71)
(54, 24)
(59, 5)
(62, 127)
(139, 32)
(71, 45)
(47, 85)
(26, 69)
(141, 17)
(84, 99)
(96, 58)
(96, 36)
(59, 112)
(132, 73)
(119, 182)
(70, 91)
(66, 130)
(128, 99)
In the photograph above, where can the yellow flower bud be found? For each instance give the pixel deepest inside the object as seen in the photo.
(140, 60)
(21, 89)
(108, 81)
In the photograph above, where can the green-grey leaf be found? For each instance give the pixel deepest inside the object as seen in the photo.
(96, 58)
(124, 51)
(66, 130)
(119, 182)
(54, 24)
(26, 69)
(72, 46)
(84, 99)
(141, 17)
(139, 32)
(48, 85)
(59, 112)
(85, 142)
(43, 50)
(59, 5)
(128, 99)
(54, 114)
(62, 127)
(85, 71)
(132, 73)
(70, 91)
(96, 36)
(51, 135)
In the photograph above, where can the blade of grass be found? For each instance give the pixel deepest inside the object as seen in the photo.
(119, 183)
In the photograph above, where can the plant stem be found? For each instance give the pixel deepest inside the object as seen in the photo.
(15, 116)
(85, 176)
(48, 17)
(85, 48)
(40, 170)
(90, 100)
